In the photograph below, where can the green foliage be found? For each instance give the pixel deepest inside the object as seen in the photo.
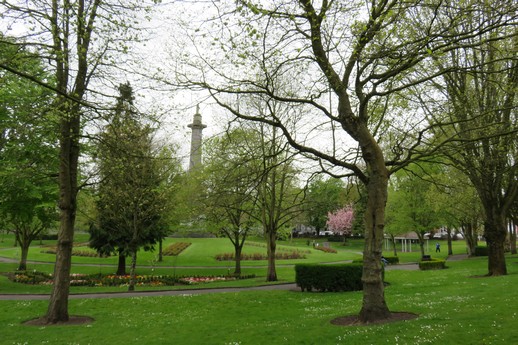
(130, 203)
(329, 277)
(323, 196)
(432, 264)
(28, 148)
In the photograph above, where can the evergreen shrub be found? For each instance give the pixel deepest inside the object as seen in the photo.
(433, 264)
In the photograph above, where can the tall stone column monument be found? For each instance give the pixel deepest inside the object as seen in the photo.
(196, 139)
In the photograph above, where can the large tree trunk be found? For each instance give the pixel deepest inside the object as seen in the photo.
(121, 266)
(69, 154)
(450, 247)
(271, 275)
(420, 237)
(160, 254)
(470, 236)
(495, 232)
(393, 239)
(22, 266)
(132, 283)
(374, 306)
(237, 255)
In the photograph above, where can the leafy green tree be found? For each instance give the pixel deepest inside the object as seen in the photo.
(130, 205)
(28, 151)
(393, 227)
(458, 206)
(413, 204)
(322, 197)
(279, 202)
(79, 39)
(481, 104)
(231, 177)
(343, 64)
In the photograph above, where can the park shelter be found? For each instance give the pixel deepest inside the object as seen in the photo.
(405, 242)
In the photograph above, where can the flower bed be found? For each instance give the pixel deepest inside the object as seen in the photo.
(326, 249)
(175, 248)
(76, 252)
(279, 248)
(40, 278)
(260, 256)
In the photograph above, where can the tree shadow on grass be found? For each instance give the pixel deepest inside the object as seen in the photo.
(353, 320)
(73, 320)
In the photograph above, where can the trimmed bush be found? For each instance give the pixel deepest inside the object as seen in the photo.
(392, 260)
(343, 277)
(433, 264)
(480, 251)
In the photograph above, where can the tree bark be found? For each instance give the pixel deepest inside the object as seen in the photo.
(271, 275)
(131, 286)
(121, 266)
(22, 266)
(237, 251)
(374, 306)
(69, 154)
(450, 247)
(495, 232)
(393, 238)
(160, 255)
(420, 237)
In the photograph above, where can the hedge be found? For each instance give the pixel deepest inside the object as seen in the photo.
(392, 260)
(480, 251)
(343, 277)
(433, 264)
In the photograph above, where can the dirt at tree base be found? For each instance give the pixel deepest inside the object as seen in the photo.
(72, 320)
(353, 320)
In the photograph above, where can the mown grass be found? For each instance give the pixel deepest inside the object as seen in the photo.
(202, 252)
(197, 260)
(454, 307)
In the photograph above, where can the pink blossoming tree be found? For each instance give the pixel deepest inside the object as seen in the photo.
(341, 221)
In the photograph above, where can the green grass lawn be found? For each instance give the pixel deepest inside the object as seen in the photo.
(198, 259)
(454, 307)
